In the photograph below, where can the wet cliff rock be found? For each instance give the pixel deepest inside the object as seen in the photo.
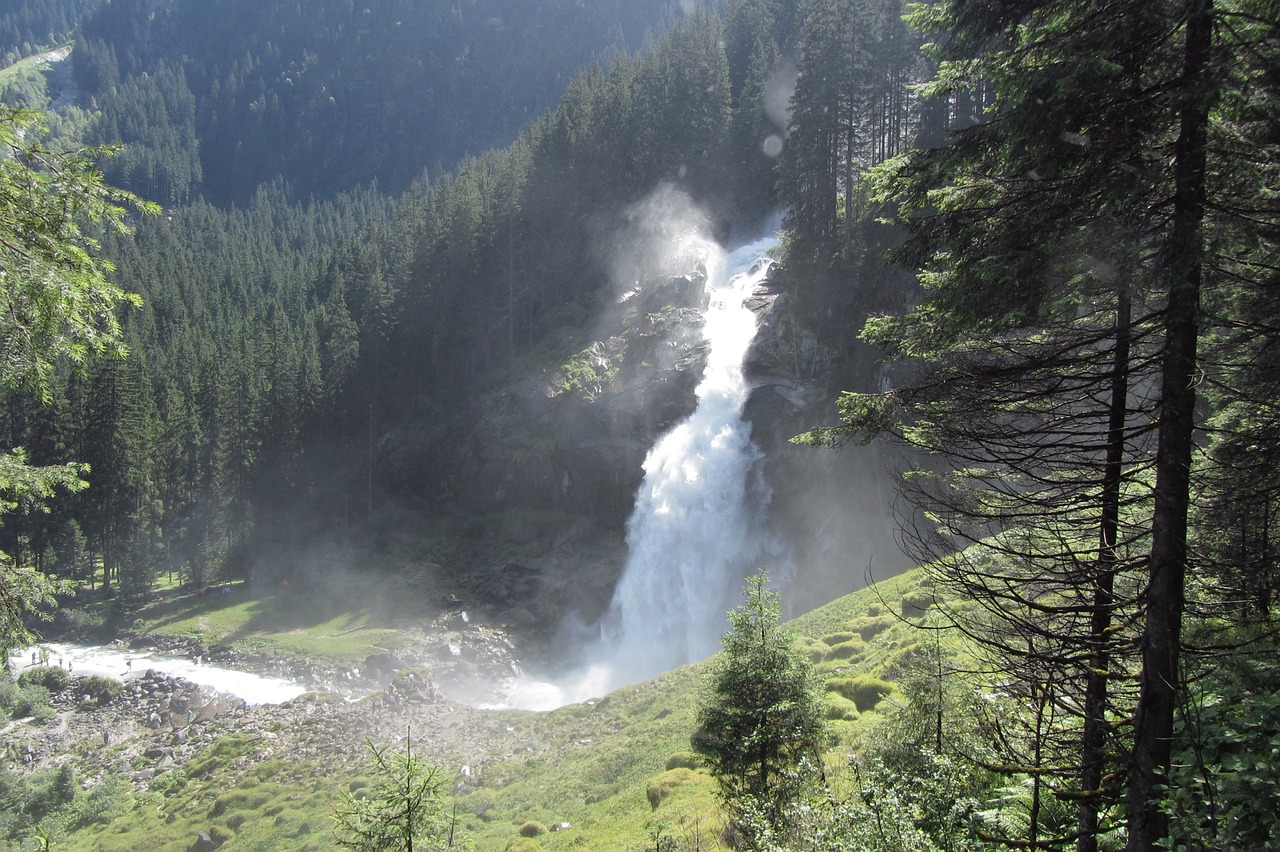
(564, 449)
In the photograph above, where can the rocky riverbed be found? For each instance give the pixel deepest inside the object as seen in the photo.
(158, 723)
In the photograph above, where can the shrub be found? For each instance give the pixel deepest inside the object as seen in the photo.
(31, 700)
(99, 690)
(268, 769)
(869, 628)
(661, 786)
(814, 649)
(864, 691)
(532, 828)
(854, 647)
(684, 760)
(522, 844)
(834, 639)
(238, 799)
(51, 678)
(917, 603)
(840, 709)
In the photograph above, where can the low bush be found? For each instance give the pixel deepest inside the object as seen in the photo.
(51, 678)
(522, 844)
(917, 604)
(661, 786)
(25, 701)
(840, 709)
(864, 691)
(847, 650)
(239, 800)
(869, 628)
(814, 649)
(533, 828)
(98, 690)
(684, 760)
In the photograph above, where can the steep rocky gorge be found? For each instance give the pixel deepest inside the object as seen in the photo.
(564, 449)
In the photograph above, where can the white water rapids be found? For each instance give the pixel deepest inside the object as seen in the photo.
(694, 532)
(122, 664)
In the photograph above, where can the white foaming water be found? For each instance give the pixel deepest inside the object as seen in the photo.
(692, 534)
(694, 531)
(126, 665)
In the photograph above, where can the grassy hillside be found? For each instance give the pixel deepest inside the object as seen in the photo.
(613, 773)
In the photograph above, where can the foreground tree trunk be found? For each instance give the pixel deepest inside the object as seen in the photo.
(1162, 634)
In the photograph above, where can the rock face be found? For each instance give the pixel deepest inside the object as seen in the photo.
(834, 508)
(569, 445)
(572, 439)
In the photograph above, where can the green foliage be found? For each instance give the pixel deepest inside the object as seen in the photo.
(684, 760)
(522, 844)
(1226, 777)
(52, 678)
(532, 828)
(864, 691)
(762, 711)
(840, 708)
(56, 307)
(22, 701)
(846, 650)
(100, 690)
(403, 809)
(661, 786)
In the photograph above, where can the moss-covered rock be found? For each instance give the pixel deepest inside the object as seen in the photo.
(847, 650)
(840, 709)
(661, 786)
(870, 627)
(522, 844)
(864, 691)
(684, 760)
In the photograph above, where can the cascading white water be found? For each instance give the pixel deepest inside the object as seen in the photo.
(694, 530)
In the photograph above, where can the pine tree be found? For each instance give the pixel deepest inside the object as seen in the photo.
(57, 307)
(1066, 221)
(762, 714)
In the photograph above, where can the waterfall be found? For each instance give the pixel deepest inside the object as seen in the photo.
(695, 530)
(697, 526)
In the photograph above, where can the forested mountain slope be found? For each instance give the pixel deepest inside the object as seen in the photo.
(316, 378)
(214, 98)
(32, 25)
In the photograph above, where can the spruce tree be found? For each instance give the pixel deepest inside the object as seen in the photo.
(1063, 233)
(762, 714)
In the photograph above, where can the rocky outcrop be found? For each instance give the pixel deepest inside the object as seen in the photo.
(566, 448)
(832, 508)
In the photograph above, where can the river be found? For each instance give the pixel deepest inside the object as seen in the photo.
(124, 664)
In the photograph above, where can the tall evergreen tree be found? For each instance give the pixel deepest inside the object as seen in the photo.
(1070, 220)
(762, 715)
